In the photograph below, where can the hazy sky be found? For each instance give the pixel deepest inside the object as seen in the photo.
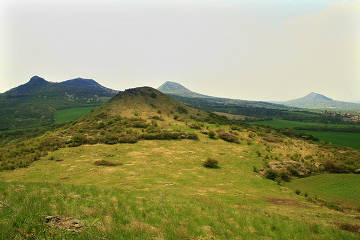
(256, 50)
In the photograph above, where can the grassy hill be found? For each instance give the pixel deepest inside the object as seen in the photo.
(134, 168)
(34, 104)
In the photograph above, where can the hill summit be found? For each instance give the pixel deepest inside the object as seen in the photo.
(148, 103)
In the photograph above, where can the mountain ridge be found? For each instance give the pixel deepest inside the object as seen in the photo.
(34, 103)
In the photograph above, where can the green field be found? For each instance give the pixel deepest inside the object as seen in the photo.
(71, 114)
(161, 191)
(338, 138)
(278, 123)
(346, 139)
(340, 188)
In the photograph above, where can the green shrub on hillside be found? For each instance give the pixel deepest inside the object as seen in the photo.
(226, 136)
(212, 134)
(211, 163)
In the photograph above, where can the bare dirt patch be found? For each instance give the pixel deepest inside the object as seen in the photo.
(283, 202)
(354, 228)
(65, 223)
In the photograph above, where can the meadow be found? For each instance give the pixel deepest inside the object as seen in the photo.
(345, 138)
(342, 189)
(160, 190)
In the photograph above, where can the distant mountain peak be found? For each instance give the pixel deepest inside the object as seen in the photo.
(177, 89)
(318, 101)
(172, 86)
(37, 80)
(314, 95)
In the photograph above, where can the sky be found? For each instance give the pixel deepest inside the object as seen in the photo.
(270, 50)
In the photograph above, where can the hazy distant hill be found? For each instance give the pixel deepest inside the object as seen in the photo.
(318, 101)
(34, 103)
(173, 88)
(178, 89)
(252, 109)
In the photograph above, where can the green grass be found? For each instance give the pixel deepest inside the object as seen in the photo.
(161, 191)
(279, 123)
(339, 138)
(71, 114)
(340, 188)
(346, 139)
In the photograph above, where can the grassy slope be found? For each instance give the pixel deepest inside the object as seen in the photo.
(160, 192)
(339, 138)
(71, 114)
(343, 188)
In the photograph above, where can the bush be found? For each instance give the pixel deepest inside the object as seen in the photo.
(271, 174)
(192, 136)
(78, 140)
(182, 110)
(211, 163)
(195, 126)
(212, 135)
(284, 176)
(297, 192)
(228, 137)
(100, 125)
(110, 139)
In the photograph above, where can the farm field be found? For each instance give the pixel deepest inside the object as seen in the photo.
(340, 188)
(347, 139)
(71, 114)
(160, 190)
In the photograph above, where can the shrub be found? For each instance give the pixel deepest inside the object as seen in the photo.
(192, 136)
(211, 163)
(271, 174)
(106, 163)
(128, 139)
(297, 192)
(333, 167)
(100, 125)
(195, 126)
(139, 124)
(153, 95)
(77, 140)
(284, 176)
(182, 110)
(110, 139)
(228, 137)
(212, 135)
